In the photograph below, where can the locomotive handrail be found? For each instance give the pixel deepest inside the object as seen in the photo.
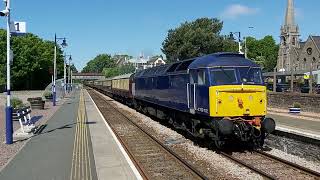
(194, 96)
(241, 89)
(188, 95)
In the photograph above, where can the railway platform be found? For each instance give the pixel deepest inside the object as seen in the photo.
(295, 124)
(76, 143)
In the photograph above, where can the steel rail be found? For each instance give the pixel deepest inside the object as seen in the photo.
(309, 171)
(193, 169)
(262, 173)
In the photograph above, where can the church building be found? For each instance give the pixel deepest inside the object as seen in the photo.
(295, 55)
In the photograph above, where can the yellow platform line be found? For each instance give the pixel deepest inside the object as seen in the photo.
(81, 166)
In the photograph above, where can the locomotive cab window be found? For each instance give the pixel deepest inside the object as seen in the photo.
(202, 77)
(250, 75)
(223, 76)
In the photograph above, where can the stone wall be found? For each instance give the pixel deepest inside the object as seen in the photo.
(23, 95)
(309, 103)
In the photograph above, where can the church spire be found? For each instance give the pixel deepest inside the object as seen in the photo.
(289, 21)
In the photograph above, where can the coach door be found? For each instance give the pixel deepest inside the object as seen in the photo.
(191, 91)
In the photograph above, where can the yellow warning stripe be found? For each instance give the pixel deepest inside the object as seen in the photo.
(81, 166)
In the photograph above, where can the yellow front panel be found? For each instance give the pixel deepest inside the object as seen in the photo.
(237, 100)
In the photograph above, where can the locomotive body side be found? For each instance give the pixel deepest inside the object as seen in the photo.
(220, 95)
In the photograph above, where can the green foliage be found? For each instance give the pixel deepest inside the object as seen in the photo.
(115, 71)
(47, 93)
(196, 38)
(73, 68)
(97, 64)
(16, 103)
(33, 57)
(263, 51)
(296, 105)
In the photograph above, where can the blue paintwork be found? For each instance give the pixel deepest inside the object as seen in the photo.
(167, 85)
(221, 59)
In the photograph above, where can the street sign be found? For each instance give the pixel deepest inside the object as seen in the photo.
(18, 28)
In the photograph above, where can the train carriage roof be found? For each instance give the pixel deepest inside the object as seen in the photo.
(124, 76)
(220, 60)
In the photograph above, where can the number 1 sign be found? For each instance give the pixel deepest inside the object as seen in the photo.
(18, 28)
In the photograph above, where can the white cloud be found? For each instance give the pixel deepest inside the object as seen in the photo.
(236, 10)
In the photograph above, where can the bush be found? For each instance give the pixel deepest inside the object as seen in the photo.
(296, 105)
(47, 93)
(16, 103)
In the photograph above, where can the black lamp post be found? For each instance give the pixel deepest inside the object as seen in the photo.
(63, 44)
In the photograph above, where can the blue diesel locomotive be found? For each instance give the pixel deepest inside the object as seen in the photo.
(218, 96)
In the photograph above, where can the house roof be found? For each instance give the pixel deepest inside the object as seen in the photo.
(302, 44)
(316, 40)
(138, 60)
(152, 60)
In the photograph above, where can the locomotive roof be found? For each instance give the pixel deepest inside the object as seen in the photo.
(221, 59)
(211, 60)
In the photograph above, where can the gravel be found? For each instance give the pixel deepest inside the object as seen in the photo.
(217, 166)
(295, 159)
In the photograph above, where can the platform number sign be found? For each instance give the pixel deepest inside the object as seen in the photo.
(18, 28)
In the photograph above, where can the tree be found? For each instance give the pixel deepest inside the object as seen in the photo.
(73, 68)
(98, 63)
(33, 57)
(263, 51)
(196, 38)
(115, 71)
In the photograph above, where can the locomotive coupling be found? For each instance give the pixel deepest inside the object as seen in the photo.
(225, 127)
(268, 125)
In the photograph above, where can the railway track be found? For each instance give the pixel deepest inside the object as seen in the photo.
(152, 158)
(272, 167)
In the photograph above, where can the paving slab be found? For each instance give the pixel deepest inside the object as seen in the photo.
(111, 162)
(49, 155)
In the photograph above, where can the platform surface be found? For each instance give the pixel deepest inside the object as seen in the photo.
(75, 144)
(308, 128)
(109, 160)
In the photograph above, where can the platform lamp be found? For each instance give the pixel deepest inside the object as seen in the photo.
(9, 125)
(63, 44)
(65, 77)
(69, 74)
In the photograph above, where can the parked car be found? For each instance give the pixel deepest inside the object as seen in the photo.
(305, 88)
(317, 89)
(283, 88)
(279, 88)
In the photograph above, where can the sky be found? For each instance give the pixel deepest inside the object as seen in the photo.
(134, 26)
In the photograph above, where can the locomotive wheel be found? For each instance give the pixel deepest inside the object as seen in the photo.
(219, 144)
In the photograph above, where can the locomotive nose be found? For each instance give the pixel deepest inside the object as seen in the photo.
(268, 125)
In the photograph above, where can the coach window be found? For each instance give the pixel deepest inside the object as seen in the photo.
(202, 79)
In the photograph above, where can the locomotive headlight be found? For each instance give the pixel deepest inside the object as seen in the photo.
(231, 98)
(261, 101)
